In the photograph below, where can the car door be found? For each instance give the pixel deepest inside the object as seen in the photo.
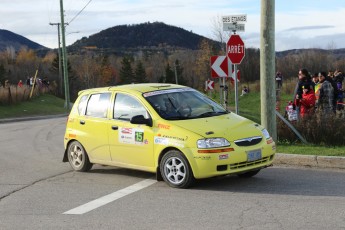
(130, 144)
(93, 125)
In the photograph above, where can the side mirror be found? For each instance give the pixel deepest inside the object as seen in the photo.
(141, 120)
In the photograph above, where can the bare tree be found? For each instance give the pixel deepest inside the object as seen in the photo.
(218, 32)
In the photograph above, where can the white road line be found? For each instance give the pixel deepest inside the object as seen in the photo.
(111, 197)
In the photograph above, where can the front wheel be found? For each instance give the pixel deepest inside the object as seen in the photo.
(77, 157)
(249, 174)
(175, 170)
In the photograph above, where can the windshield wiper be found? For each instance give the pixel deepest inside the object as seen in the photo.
(176, 118)
(211, 114)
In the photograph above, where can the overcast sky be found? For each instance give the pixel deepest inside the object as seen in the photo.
(299, 23)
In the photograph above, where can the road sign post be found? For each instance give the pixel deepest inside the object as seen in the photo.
(235, 51)
(235, 47)
(220, 68)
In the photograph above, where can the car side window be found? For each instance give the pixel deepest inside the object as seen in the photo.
(98, 105)
(127, 107)
(82, 105)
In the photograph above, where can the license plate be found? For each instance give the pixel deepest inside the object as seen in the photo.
(254, 155)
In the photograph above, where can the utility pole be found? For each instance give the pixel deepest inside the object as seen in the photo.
(267, 67)
(64, 57)
(59, 55)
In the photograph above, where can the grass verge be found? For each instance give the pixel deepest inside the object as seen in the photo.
(311, 150)
(45, 104)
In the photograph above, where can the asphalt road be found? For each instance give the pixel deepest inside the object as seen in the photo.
(38, 191)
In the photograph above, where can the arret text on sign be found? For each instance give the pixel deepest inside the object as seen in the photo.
(236, 49)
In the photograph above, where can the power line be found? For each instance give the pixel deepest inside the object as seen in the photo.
(80, 12)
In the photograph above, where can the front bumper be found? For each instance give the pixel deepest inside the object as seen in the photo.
(233, 162)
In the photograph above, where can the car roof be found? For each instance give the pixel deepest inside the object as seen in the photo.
(135, 88)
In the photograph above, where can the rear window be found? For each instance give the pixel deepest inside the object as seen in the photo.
(82, 105)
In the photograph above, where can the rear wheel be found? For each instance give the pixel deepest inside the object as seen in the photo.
(175, 170)
(249, 174)
(77, 157)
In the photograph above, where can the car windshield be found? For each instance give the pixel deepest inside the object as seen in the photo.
(183, 103)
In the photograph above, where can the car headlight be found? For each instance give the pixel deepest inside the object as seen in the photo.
(266, 134)
(212, 143)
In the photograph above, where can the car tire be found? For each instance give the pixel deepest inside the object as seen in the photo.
(77, 157)
(249, 174)
(175, 170)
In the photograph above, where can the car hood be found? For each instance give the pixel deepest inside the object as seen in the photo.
(230, 126)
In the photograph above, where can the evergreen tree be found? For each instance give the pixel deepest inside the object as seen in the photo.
(126, 72)
(161, 79)
(169, 75)
(54, 68)
(140, 74)
(2, 74)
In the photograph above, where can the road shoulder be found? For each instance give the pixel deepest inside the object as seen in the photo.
(310, 161)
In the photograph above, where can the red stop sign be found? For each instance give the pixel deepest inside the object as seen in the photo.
(235, 49)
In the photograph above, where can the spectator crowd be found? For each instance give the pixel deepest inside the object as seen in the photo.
(320, 93)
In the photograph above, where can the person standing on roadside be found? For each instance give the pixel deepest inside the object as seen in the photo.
(28, 81)
(279, 80)
(326, 96)
(338, 78)
(316, 87)
(304, 79)
(307, 102)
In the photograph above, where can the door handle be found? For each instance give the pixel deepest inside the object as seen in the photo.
(82, 122)
(114, 127)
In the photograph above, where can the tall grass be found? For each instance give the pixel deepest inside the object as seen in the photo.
(14, 94)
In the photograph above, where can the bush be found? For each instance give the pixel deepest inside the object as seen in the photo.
(316, 130)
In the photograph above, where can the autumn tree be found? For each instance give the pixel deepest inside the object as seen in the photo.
(202, 64)
(8, 56)
(107, 74)
(28, 62)
(87, 69)
(156, 67)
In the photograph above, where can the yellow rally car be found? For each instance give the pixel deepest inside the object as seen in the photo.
(171, 130)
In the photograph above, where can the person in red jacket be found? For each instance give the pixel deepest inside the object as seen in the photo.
(307, 102)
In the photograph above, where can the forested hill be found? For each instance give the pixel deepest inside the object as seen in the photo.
(10, 39)
(146, 35)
